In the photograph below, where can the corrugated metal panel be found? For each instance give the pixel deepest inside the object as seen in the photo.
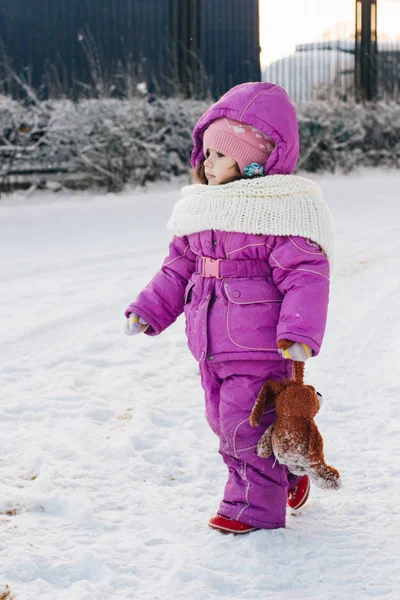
(41, 33)
(230, 42)
(185, 19)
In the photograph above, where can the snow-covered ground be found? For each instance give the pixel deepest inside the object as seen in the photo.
(108, 470)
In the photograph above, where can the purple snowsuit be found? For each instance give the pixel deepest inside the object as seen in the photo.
(270, 288)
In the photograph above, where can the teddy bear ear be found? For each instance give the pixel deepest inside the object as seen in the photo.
(271, 390)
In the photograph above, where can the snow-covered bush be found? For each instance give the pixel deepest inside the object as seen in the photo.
(111, 143)
(132, 141)
(343, 135)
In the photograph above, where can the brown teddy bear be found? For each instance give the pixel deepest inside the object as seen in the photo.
(294, 438)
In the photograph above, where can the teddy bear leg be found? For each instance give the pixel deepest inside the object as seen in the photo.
(325, 476)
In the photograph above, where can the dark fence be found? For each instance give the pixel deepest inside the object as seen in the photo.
(78, 48)
(106, 48)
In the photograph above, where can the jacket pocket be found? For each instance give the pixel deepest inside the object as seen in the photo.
(253, 313)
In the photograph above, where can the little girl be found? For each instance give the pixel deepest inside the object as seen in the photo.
(249, 267)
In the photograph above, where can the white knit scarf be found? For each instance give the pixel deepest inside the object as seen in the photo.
(272, 205)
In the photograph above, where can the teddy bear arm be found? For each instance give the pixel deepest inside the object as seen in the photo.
(259, 406)
(315, 445)
(266, 397)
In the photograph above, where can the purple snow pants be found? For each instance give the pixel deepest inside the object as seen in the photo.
(256, 490)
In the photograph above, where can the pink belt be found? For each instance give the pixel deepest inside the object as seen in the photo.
(220, 268)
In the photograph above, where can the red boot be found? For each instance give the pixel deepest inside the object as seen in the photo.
(226, 525)
(298, 495)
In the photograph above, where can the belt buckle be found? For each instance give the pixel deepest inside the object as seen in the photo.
(210, 267)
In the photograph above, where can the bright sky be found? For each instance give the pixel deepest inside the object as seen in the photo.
(285, 23)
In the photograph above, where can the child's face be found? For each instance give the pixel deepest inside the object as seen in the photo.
(219, 168)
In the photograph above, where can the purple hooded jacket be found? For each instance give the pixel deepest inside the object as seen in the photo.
(271, 287)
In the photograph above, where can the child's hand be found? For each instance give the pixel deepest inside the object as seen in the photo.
(294, 350)
(135, 324)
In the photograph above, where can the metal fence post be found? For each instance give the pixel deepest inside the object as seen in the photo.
(366, 64)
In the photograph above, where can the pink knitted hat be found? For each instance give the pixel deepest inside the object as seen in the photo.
(244, 143)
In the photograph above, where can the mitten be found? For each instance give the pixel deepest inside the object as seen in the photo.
(294, 350)
(135, 324)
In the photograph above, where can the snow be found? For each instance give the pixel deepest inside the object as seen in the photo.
(108, 470)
